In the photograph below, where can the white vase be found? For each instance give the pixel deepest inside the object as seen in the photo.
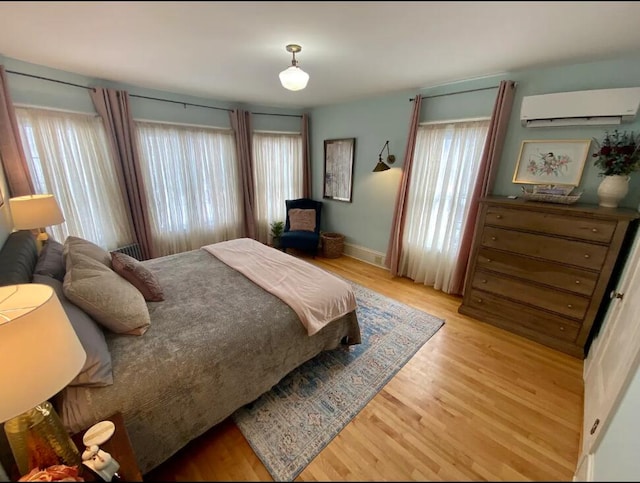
(612, 189)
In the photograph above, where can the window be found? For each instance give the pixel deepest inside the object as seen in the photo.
(278, 176)
(445, 168)
(191, 183)
(68, 156)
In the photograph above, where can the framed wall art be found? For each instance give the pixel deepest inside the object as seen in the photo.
(552, 162)
(338, 168)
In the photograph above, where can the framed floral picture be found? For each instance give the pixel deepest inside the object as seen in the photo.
(552, 162)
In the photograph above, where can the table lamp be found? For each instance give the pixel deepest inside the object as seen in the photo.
(34, 212)
(39, 355)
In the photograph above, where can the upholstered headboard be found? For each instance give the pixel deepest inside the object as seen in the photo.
(18, 258)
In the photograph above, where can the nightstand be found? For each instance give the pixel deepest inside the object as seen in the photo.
(119, 446)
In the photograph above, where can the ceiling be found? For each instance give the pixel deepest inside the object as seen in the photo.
(234, 50)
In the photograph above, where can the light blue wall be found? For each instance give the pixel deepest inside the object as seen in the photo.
(367, 220)
(37, 92)
(623, 72)
(616, 458)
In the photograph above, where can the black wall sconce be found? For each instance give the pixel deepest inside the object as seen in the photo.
(382, 166)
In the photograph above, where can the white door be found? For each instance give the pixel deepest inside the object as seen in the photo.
(614, 355)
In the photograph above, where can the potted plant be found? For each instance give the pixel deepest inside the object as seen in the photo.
(277, 227)
(617, 157)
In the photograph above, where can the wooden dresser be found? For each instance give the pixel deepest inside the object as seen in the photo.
(541, 269)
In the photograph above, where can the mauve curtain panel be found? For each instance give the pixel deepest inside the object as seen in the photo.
(306, 166)
(394, 249)
(241, 124)
(486, 176)
(11, 152)
(113, 106)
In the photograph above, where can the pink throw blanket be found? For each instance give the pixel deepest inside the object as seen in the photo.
(314, 294)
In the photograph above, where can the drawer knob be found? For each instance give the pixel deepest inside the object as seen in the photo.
(493, 238)
(616, 295)
(570, 306)
(562, 328)
(479, 301)
(577, 282)
(484, 280)
(595, 230)
(595, 426)
(586, 255)
(498, 217)
(488, 260)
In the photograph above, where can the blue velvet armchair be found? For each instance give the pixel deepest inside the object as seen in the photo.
(302, 239)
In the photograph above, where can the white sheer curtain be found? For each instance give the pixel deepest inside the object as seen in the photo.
(68, 156)
(445, 166)
(192, 185)
(278, 174)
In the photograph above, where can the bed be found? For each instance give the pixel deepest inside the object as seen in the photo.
(215, 343)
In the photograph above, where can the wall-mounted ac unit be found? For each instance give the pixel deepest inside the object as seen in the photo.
(581, 108)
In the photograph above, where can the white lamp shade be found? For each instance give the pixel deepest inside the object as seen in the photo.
(39, 350)
(35, 211)
(294, 78)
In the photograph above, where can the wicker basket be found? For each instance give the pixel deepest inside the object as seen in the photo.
(332, 245)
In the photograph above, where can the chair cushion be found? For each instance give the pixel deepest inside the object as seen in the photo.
(304, 240)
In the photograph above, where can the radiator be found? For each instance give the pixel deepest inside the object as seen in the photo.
(132, 250)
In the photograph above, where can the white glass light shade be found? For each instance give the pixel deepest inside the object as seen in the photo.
(39, 350)
(294, 78)
(35, 211)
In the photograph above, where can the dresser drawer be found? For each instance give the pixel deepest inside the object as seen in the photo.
(573, 252)
(566, 304)
(549, 273)
(519, 315)
(555, 224)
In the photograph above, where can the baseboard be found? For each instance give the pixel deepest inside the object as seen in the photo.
(365, 255)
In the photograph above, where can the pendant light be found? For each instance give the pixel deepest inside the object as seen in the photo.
(294, 78)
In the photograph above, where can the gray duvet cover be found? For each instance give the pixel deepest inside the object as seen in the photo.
(217, 342)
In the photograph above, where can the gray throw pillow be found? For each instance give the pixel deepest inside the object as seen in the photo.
(96, 371)
(50, 261)
(107, 297)
(74, 244)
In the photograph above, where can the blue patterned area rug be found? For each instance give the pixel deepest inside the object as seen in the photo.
(288, 426)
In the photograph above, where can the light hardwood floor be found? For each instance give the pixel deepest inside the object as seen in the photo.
(475, 403)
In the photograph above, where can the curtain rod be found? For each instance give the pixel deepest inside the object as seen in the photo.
(271, 114)
(185, 104)
(50, 80)
(459, 92)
